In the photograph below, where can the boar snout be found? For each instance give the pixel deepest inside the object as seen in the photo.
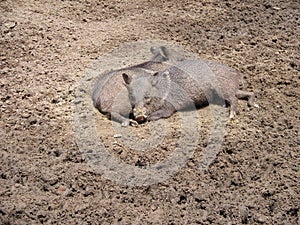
(139, 113)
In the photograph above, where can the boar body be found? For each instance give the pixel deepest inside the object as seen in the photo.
(186, 84)
(110, 95)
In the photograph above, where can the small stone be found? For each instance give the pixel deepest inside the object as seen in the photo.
(5, 70)
(68, 193)
(60, 189)
(50, 178)
(32, 120)
(153, 207)
(26, 115)
(87, 192)
(261, 218)
(77, 101)
(276, 8)
(117, 135)
(10, 25)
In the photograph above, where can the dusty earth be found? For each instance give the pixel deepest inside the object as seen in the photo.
(46, 48)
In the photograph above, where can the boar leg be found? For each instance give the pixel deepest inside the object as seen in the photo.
(246, 95)
(160, 54)
(125, 122)
(166, 111)
(241, 95)
(233, 107)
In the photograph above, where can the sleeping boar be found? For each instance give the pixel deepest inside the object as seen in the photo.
(186, 84)
(110, 96)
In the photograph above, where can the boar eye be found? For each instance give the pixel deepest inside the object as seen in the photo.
(147, 99)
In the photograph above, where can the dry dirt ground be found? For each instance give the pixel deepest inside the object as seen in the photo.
(45, 48)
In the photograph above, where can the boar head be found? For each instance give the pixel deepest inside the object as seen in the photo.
(147, 94)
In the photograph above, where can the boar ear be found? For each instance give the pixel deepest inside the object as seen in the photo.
(126, 78)
(160, 54)
(154, 78)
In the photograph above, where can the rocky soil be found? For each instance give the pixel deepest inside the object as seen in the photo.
(45, 50)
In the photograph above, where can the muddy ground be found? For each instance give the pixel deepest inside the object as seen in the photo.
(45, 49)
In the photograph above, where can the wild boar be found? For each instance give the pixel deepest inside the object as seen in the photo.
(110, 96)
(185, 84)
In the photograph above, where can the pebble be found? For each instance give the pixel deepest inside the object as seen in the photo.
(10, 25)
(261, 218)
(26, 115)
(276, 8)
(117, 135)
(32, 120)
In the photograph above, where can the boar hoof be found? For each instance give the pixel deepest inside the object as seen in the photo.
(131, 122)
(232, 114)
(125, 123)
